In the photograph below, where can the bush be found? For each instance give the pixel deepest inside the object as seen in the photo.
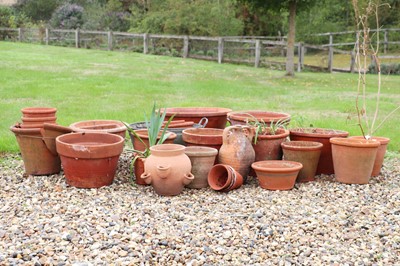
(116, 21)
(386, 69)
(37, 10)
(68, 16)
(9, 19)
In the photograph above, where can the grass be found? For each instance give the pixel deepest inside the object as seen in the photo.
(91, 84)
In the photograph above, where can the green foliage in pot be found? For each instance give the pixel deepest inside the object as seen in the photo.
(266, 128)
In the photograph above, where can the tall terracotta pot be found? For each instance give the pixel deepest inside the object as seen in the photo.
(353, 159)
(224, 178)
(202, 159)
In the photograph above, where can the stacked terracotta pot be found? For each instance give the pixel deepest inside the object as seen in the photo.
(35, 117)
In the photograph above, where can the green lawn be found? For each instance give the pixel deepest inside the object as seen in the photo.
(89, 84)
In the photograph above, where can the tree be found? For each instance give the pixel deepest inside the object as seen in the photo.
(37, 9)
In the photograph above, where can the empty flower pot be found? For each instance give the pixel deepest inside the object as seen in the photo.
(144, 136)
(100, 126)
(224, 178)
(202, 159)
(268, 117)
(209, 137)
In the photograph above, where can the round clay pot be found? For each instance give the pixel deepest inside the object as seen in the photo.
(167, 169)
(268, 146)
(144, 135)
(209, 137)
(277, 174)
(89, 159)
(305, 152)
(38, 159)
(100, 126)
(38, 112)
(37, 121)
(202, 159)
(242, 117)
(380, 155)
(224, 178)
(353, 159)
(322, 135)
(216, 116)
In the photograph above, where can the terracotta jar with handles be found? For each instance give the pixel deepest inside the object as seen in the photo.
(236, 149)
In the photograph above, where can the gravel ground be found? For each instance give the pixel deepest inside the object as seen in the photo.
(43, 221)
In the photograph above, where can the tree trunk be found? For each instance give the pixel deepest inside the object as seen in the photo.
(291, 39)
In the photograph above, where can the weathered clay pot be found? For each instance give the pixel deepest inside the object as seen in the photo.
(32, 122)
(277, 174)
(50, 132)
(89, 159)
(216, 116)
(209, 137)
(167, 169)
(139, 170)
(380, 155)
(100, 126)
(242, 117)
(38, 112)
(38, 158)
(236, 149)
(143, 134)
(353, 159)
(268, 146)
(224, 178)
(202, 159)
(322, 135)
(305, 152)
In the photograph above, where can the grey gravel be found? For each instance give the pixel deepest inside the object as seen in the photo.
(43, 221)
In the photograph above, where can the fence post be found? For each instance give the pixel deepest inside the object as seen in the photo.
(185, 47)
(220, 50)
(300, 55)
(77, 39)
(47, 36)
(386, 41)
(352, 61)
(257, 54)
(110, 40)
(20, 34)
(146, 43)
(330, 56)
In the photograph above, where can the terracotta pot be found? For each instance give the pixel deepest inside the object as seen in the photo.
(35, 125)
(167, 169)
(305, 152)
(38, 111)
(268, 147)
(139, 170)
(241, 117)
(216, 116)
(202, 159)
(143, 134)
(29, 122)
(209, 137)
(38, 159)
(380, 155)
(89, 159)
(100, 126)
(322, 135)
(277, 174)
(237, 150)
(224, 178)
(50, 132)
(353, 159)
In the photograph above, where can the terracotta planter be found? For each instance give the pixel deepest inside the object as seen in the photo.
(268, 147)
(305, 152)
(30, 122)
(322, 135)
(209, 137)
(380, 155)
(50, 132)
(143, 134)
(100, 126)
(139, 170)
(224, 178)
(202, 159)
(167, 169)
(38, 112)
(216, 116)
(38, 159)
(89, 159)
(241, 117)
(353, 159)
(277, 174)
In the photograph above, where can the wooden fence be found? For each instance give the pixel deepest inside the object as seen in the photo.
(254, 50)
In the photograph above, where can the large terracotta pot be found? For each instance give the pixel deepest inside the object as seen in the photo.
(305, 152)
(38, 112)
(353, 159)
(216, 116)
(100, 126)
(167, 169)
(224, 178)
(202, 159)
(144, 135)
(209, 137)
(89, 159)
(237, 150)
(38, 158)
(277, 174)
(380, 155)
(242, 117)
(268, 146)
(322, 135)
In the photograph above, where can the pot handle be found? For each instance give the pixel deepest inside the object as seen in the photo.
(163, 171)
(146, 177)
(188, 178)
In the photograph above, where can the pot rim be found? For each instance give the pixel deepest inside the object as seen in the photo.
(38, 110)
(318, 132)
(269, 115)
(42, 119)
(166, 149)
(276, 166)
(21, 131)
(200, 151)
(382, 140)
(194, 135)
(354, 142)
(195, 111)
(296, 145)
(143, 134)
(282, 135)
(120, 127)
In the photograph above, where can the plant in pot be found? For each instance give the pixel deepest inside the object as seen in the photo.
(354, 158)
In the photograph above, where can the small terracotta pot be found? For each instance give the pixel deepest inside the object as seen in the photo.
(277, 174)
(100, 126)
(224, 178)
(305, 152)
(380, 155)
(209, 137)
(89, 159)
(139, 170)
(241, 117)
(322, 135)
(353, 159)
(143, 134)
(38, 112)
(268, 147)
(202, 159)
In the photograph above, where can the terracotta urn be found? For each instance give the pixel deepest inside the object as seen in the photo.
(353, 159)
(277, 174)
(322, 135)
(209, 137)
(100, 126)
(202, 159)
(380, 155)
(167, 169)
(89, 159)
(242, 117)
(224, 178)
(305, 152)
(237, 150)
(144, 136)
(38, 112)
